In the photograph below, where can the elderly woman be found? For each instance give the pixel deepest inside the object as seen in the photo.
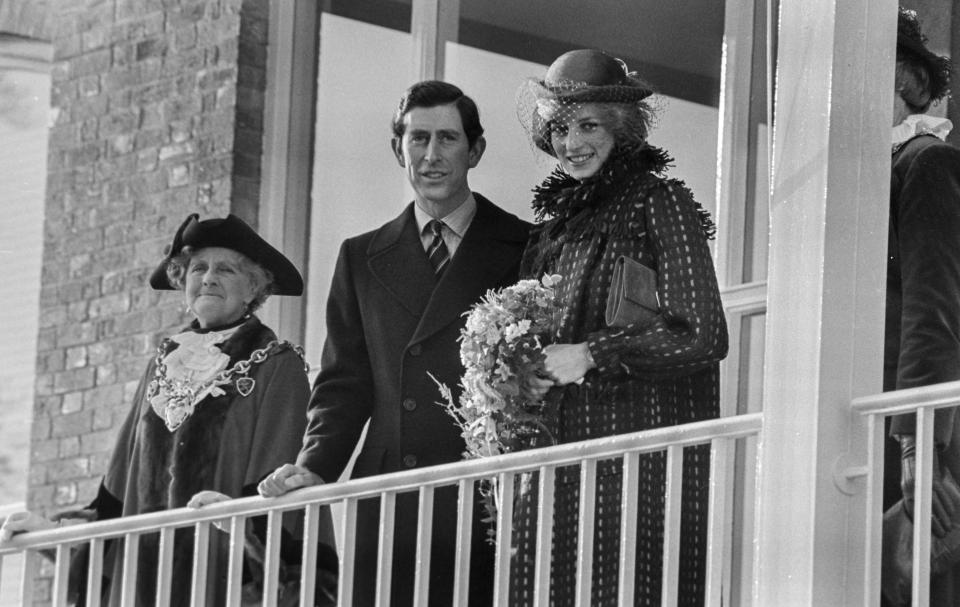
(221, 405)
(611, 223)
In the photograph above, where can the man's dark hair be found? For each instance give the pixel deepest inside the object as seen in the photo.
(431, 93)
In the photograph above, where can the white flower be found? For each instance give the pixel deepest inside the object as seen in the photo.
(517, 330)
(550, 280)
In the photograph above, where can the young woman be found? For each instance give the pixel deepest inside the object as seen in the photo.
(608, 203)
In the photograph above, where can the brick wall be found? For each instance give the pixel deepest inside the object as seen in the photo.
(157, 113)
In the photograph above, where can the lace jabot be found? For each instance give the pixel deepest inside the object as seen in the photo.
(197, 357)
(190, 372)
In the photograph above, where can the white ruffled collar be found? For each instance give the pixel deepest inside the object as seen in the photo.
(920, 124)
(197, 357)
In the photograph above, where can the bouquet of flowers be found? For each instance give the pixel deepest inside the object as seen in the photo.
(500, 347)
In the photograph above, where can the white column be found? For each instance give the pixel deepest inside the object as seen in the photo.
(285, 187)
(733, 144)
(433, 23)
(733, 140)
(825, 294)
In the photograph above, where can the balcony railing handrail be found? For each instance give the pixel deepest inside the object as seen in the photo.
(908, 400)
(922, 401)
(447, 474)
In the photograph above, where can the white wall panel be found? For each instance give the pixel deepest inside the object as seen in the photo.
(24, 102)
(357, 183)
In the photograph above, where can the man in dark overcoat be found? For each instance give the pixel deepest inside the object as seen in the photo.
(394, 314)
(923, 296)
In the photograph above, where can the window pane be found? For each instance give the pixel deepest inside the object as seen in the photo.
(756, 232)
(357, 184)
(752, 335)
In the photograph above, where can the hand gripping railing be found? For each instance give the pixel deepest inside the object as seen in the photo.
(922, 401)
(722, 434)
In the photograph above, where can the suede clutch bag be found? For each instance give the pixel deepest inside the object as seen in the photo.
(633, 294)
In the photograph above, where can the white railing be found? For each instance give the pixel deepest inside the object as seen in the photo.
(722, 434)
(11, 569)
(922, 401)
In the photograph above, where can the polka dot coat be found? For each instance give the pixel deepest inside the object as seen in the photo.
(652, 374)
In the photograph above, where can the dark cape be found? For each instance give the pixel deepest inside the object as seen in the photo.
(227, 445)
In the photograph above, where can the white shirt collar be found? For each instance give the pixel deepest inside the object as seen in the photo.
(920, 124)
(457, 220)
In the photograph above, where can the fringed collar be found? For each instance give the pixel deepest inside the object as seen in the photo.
(573, 204)
(560, 196)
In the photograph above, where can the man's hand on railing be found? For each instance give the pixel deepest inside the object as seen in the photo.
(286, 478)
(946, 495)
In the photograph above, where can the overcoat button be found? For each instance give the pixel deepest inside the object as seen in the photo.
(409, 404)
(416, 350)
(409, 461)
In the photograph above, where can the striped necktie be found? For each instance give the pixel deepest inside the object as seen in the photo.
(437, 252)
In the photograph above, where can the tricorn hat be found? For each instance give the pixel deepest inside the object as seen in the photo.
(911, 40)
(232, 233)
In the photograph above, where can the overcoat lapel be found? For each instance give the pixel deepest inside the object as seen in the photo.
(487, 252)
(397, 260)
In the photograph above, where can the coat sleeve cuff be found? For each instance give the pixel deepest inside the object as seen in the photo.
(605, 353)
